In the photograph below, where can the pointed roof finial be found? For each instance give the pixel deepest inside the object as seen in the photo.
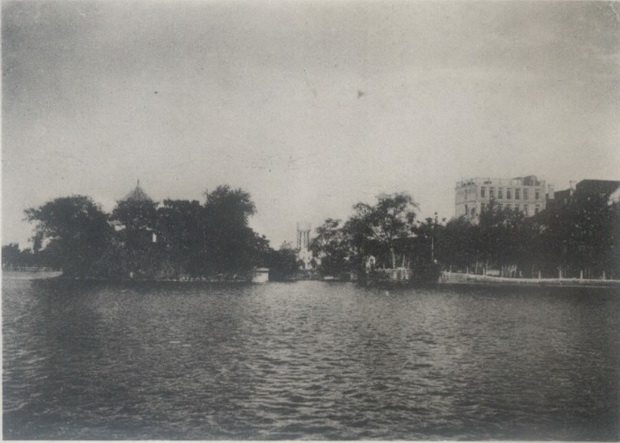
(138, 194)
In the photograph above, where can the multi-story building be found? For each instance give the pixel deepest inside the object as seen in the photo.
(525, 194)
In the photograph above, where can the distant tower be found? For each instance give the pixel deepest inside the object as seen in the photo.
(303, 235)
(304, 255)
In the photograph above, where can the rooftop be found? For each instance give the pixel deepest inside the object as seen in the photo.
(529, 180)
(138, 194)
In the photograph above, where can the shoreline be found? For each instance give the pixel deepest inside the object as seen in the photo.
(31, 275)
(445, 279)
(453, 278)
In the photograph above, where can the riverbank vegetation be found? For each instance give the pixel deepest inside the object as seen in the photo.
(379, 237)
(140, 238)
(580, 238)
(181, 239)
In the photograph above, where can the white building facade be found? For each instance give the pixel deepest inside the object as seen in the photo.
(525, 194)
(304, 255)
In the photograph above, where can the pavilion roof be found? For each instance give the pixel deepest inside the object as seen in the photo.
(138, 194)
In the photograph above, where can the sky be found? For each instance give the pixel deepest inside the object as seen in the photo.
(310, 106)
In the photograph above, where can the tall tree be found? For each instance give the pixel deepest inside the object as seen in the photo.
(181, 227)
(227, 205)
(233, 247)
(501, 235)
(76, 230)
(332, 245)
(282, 263)
(379, 229)
(457, 244)
(582, 235)
(11, 256)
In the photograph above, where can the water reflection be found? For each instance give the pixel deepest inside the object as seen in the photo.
(307, 360)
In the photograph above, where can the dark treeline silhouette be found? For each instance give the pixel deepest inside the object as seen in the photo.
(186, 239)
(14, 258)
(578, 238)
(381, 236)
(143, 239)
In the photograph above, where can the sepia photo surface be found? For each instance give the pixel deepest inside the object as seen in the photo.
(310, 220)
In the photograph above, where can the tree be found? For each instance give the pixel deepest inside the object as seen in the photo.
(182, 229)
(11, 256)
(77, 232)
(282, 263)
(423, 245)
(582, 235)
(227, 205)
(233, 247)
(378, 229)
(332, 245)
(501, 236)
(456, 243)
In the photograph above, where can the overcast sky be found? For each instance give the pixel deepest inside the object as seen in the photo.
(311, 106)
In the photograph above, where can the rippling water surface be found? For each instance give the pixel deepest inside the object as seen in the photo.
(307, 360)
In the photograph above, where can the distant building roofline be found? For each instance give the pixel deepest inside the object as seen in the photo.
(502, 181)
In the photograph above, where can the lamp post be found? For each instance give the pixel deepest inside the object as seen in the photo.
(433, 239)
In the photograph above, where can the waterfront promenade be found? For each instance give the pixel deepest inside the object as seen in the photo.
(455, 278)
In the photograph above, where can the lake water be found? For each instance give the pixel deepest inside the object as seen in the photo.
(309, 360)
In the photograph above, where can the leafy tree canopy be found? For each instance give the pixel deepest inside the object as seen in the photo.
(378, 228)
(230, 205)
(76, 228)
(332, 245)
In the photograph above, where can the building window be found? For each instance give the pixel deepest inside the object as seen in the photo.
(500, 193)
(537, 194)
(509, 206)
(517, 194)
(483, 192)
(482, 206)
(508, 193)
(525, 194)
(473, 211)
(491, 193)
(518, 207)
(526, 209)
(537, 209)
(499, 206)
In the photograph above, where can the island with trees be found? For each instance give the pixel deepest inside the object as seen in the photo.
(142, 239)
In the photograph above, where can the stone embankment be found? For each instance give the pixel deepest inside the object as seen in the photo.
(454, 278)
(30, 274)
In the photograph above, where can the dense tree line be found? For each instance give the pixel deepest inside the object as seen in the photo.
(144, 239)
(181, 238)
(579, 238)
(385, 235)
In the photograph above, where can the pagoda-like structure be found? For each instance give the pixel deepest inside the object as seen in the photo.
(138, 195)
(136, 215)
